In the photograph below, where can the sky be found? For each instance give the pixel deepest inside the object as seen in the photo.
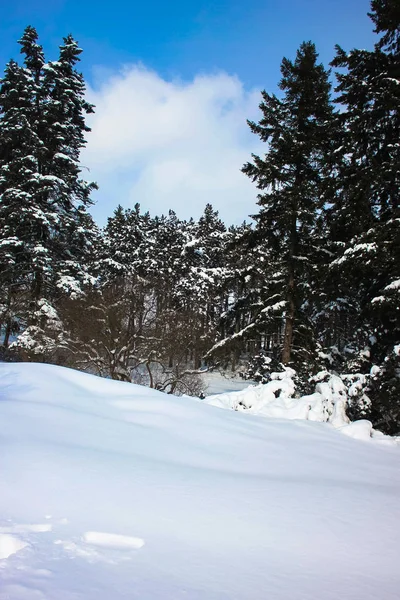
(173, 84)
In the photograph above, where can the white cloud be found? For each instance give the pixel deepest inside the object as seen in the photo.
(172, 144)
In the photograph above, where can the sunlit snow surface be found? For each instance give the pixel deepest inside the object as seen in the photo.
(111, 491)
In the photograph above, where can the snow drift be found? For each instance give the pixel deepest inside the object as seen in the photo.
(327, 404)
(110, 490)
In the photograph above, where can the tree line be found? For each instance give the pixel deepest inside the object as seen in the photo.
(312, 283)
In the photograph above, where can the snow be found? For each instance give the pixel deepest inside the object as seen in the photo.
(279, 399)
(70, 286)
(395, 285)
(112, 540)
(378, 299)
(359, 430)
(9, 545)
(215, 382)
(275, 307)
(110, 491)
(37, 528)
(63, 156)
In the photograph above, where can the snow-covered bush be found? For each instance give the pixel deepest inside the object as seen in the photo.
(260, 367)
(43, 340)
(280, 397)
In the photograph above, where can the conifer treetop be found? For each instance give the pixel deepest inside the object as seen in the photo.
(385, 15)
(34, 55)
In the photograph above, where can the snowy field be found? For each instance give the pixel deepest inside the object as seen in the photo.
(111, 491)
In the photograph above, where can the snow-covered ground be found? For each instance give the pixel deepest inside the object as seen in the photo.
(216, 382)
(278, 399)
(112, 491)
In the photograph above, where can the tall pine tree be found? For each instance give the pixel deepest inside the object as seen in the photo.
(369, 249)
(292, 177)
(42, 197)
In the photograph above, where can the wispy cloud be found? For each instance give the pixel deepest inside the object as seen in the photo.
(172, 144)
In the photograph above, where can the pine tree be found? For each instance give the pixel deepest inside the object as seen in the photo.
(124, 243)
(202, 284)
(39, 217)
(298, 129)
(64, 138)
(369, 89)
(247, 319)
(21, 216)
(16, 139)
(43, 201)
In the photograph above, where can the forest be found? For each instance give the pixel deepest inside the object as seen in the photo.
(311, 282)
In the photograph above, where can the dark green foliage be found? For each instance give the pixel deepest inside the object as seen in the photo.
(293, 178)
(365, 217)
(47, 237)
(384, 389)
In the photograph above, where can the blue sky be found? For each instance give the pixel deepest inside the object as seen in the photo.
(220, 43)
(179, 37)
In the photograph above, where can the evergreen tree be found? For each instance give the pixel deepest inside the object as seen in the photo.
(67, 195)
(369, 250)
(43, 201)
(125, 242)
(202, 285)
(19, 217)
(64, 138)
(40, 219)
(293, 178)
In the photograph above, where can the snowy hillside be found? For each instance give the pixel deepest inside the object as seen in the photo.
(112, 491)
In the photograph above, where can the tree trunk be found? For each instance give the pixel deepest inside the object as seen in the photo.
(7, 333)
(37, 286)
(7, 322)
(289, 322)
(290, 293)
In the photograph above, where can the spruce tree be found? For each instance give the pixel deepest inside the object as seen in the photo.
(123, 238)
(65, 113)
(292, 178)
(43, 199)
(67, 194)
(202, 285)
(369, 248)
(20, 218)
